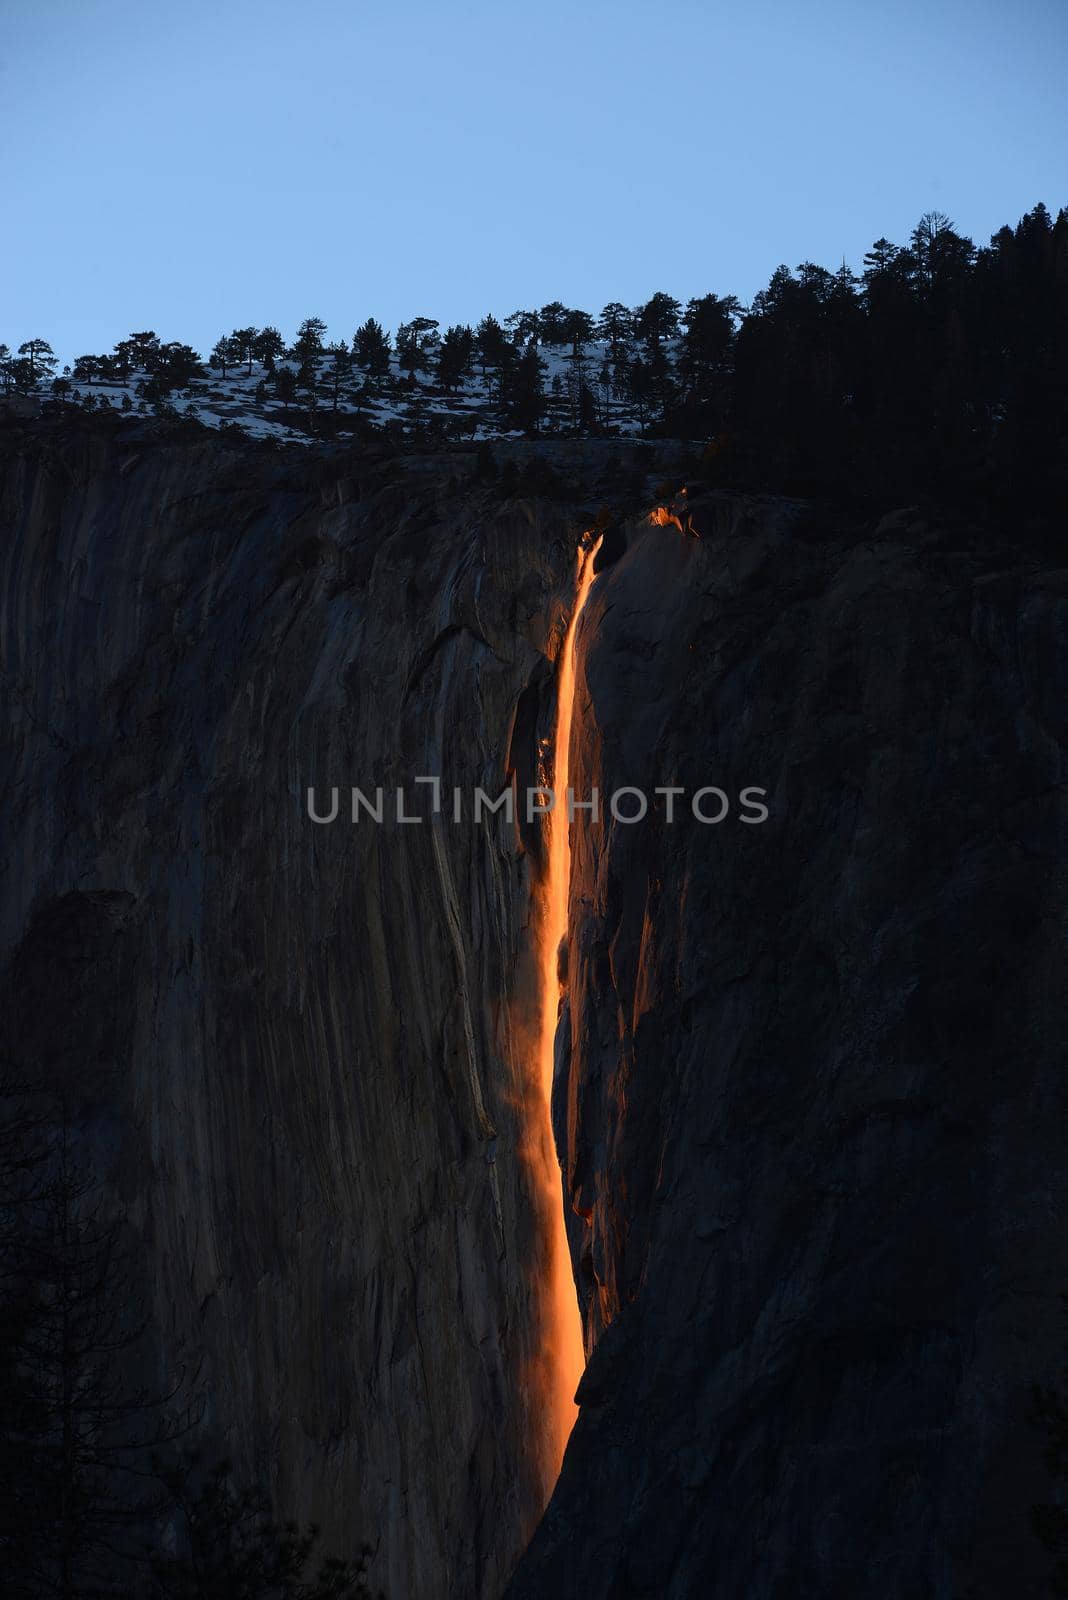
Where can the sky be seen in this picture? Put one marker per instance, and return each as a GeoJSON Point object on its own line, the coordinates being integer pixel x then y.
{"type": "Point", "coordinates": [191, 167]}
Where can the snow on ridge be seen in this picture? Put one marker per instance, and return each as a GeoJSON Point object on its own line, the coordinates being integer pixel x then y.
{"type": "Point", "coordinates": [469, 413]}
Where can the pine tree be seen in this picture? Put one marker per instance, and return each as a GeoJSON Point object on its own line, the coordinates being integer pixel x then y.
{"type": "Point", "coordinates": [578, 330]}
{"type": "Point", "coordinates": [176, 367]}
{"type": "Point", "coordinates": [87, 368]}
{"type": "Point", "coordinates": [122, 359]}
{"type": "Point", "coordinates": [232, 1548]}
{"type": "Point", "coordinates": [41, 357]}
{"type": "Point", "coordinates": [413, 416]}
{"type": "Point", "coordinates": [244, 341]}
{"type": "Point", "coordinates": [657, 320]}
{"type": "Point", "coordinates": [640, 390]}
{"type": "Point", "coordinates": [523, 396]}
{"type": "Point", "coordinates": [523, 326]}
{"type": "Point", "coordinates": [615, 326]}
{"type": "Point", "coordinates": [553, 323]}
{"type": "Point", "coordinates": [370, 346]}
{"type": "Point", "coordinates": [704, 362]}
{"type": "Point", "coordinates": [880, 258]}
{"type": "Point", "coordinates": [924, 242]}
{"type": "Point", "coordinates": [308, 345]}
{"type": "Point", "coordinates": [662, 381]}
{"type": "Point", "coordinates": [307, 380]}
{"type": "Point", "coordinates": [268, 346]}
{"type": "Point", "coordinates": [709, 329]}
{"type": "Point", "coordinates": [604, 379]}
{"type": "Point", "coordinates": [20, 375]}
{"type": "Point", "coordinates": [340, 368]}
{"type": "Point", "coordinates": [416, 343]}
{"type": "Point", "coordinates": [492, 346]}
{"type": "Point", "coordinates": [225, 354]}
{"type": "Point", "coordinates": [454, 356]}
{"type": "Point", "coordinates": [285, 387]}
{"type": "Point", "coordinates": [143, 347]}
{"type": "Point", "coordinates": [78, 1433]}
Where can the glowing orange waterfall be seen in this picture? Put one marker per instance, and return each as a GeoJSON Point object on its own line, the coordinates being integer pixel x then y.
{"type": "Point", "coordinates": [562, 1355]}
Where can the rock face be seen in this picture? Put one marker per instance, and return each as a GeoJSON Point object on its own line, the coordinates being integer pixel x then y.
{"type": "Point", "coordinates": [815, 1090]}
{"type": "Point", "coordinates": [810, 1071]}
{"type": "Point", "coordinates": [290, 1042]}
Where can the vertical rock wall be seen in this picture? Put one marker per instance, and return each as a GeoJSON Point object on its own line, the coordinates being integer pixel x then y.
{"type": "Point", "coordinates": [810, 1089]}
{"type": "Point", "coordinates": [816, 1094]}
{"type": "Point", "coordinates": [288, 1043]}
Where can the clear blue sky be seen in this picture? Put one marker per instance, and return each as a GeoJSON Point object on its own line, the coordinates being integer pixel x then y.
{"type": "Point", "coordinates": [190, 166]}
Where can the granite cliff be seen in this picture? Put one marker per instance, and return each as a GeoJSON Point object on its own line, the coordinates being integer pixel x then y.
{"type": "Point", "coordinates": [809, 1087]}
{"type": "Point", "coordinates": [814, 1068]}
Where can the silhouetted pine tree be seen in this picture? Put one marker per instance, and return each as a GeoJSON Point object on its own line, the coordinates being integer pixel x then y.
{"type": "Point", "coordinates": [285, 387]}
{"type": "Point", "coordinates": [579, 329]}
{"type": "Point", "coordinates": [308, 345]}
{"type": "Point", "coordinates": [703, 367]}
{"type": "Point", "coordinates": [639, 390]}
{"type": "Point", "coordinates": [615, 326]}
{"type": "Point", "coordinates": [454, 357]}
{"type": "Point", "coordinates": [552, 323]}
{"type": "Point", "coordinates": [340, 368]}
{"type": "Point", "coordinates": [493, 350]}
{"type": "Point", "coordinates": [656, 321]}
{"type": "Point", "coordinates": [226, 353]}
{"type": "Point", "coordinates": [416, 342]}
{"type": "Point", "coordinates": [268, 346]}
{"type": "Point", "coordinates": [523, 326]}
{"type": "Point", "coordinates": [230, 1547]}
{"type": "Point", "coordinates": [370, 346]}
{"type": "Point", "coordinates": [78, 1432]}
{"type": "Point", "coordinates": [523, 399]}
{"type": "Point", "coordinates": [244, 341]}
{"type": "Point", "coordinates": [41, 357]}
